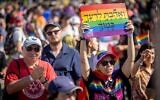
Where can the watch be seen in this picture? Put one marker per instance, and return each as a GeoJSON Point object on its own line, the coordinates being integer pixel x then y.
{"type": "Point", "coordinates": [30, 78]}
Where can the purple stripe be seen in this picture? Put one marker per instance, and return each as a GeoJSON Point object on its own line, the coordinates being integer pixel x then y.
{"type": "Point", "coordinates": [143, 41]}
{"type": "Point", "coordinates": [105, 33]}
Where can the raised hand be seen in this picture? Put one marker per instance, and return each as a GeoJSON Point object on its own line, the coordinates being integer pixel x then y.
{"type": "Point", "coordinates": [82, 27]}
{"type": "Point", "coordinates": [129, 27]}
{"type": "Point", "coordinates": [146, 55]}
{"type": "Point", "coordinates": [37, 72]}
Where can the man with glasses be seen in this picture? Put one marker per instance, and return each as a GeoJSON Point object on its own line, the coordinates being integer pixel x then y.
{"type": "Point", "coordinates": [65, 60]}
{"type": "Point", "coordinates": [28, 77]}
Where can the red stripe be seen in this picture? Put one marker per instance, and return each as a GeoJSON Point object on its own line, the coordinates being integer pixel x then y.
{"type": "Point", "coordinates": [102, 6]}
{"type": "Point", "coordinates": [83, 95]}
{"type": "Point", "coordinates": [143, 35]}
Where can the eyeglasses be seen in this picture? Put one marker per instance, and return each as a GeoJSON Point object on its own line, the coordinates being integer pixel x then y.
{"type": "Point", "coordinates": [51, 32]}
{"type": "Point", "coordinates": [104, 63]}
{"type": "Point", "coordinates": [30, 48]}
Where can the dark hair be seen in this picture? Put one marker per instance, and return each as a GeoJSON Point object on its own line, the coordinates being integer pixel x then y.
{"type": "Point", "coordinates": [53, 96]}
{"type": "Point", "coordinates": [145, 46]}
{"type": "Point", "coordinates": [51, 25]}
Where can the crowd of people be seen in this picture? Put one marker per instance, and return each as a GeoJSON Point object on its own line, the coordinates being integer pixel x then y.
{"type": "Point", "coordinates": [44, 55]}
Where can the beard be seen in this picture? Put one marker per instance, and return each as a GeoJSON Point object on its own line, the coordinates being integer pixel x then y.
{"type": "Point", "coordinates": [55, 42]}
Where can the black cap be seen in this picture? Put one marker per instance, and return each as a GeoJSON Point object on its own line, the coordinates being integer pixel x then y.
{"type": "Point", "coordinates": [51, 25]}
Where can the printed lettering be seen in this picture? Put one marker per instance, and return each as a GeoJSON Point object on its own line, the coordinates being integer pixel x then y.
{"type": "Point", "coordinates": [106, 16]}
{"type": "Point", "coordinates": [106, 26]}
{"type": "Point", "coordinates": [101, 97]}
{"type": "Point", "coordinates": [104, 19]}
{"type": "Point", "coordinates": [86, 21]}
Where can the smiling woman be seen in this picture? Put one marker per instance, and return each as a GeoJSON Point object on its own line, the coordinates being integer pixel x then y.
{"type": "Point", "coordinates": [105, 63]}
{"type": "Point", "coordinates": [105, 82]}
{"type": "Point", "coordinates": [142, 71]}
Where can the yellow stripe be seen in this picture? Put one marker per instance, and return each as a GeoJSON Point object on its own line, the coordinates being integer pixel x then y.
{"type": "Point", "coordinates": [104, 14]}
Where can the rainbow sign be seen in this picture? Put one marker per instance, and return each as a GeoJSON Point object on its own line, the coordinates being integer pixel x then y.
{"type": "Point", "coordinates": [104, 19]}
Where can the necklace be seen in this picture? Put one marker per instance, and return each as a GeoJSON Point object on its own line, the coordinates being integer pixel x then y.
{"type": "Point", "coordinates": [109, 82]}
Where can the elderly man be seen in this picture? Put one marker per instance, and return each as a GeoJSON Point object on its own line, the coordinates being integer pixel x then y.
{"type": "Point", "coordinates": [28, 77]}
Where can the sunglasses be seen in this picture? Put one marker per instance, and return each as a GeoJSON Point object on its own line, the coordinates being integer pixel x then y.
{"type": "Point", "coordinates": [51, 32]}
{"type": "Point", "coordinates": [36, 49]}
{"type": "Point", "coordinates": [72, 93]}
{"type": "Point", "coordinates": [104, 63]}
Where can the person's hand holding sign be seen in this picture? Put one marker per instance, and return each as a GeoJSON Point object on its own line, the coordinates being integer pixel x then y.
{"type": "Point", "coordinates": [129, 27]}
{"type": "Point", "coordinates": [83, 28]}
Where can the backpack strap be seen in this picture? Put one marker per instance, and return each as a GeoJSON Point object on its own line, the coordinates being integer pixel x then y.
{"type": "Point", "coordinates": [18, 67]}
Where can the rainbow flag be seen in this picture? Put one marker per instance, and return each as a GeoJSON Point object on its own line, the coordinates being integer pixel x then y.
{"type": "Point", "coordinates": [83, 95]}
{"type": "Point", "coordinates": [104, 19]}
{"type": "Point", "coordinates": [142, 38]}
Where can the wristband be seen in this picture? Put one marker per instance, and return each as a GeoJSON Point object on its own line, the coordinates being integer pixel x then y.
{"type": "Point", "coordinates": [130, 35]}
{"type": "Point", "coordinates": [30, 78]}
{"type": "Point", "coordinates": [141, 62]}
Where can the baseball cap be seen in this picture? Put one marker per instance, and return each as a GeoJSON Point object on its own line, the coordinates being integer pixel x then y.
{"type": "Point", "coordinates": [103, 54]}
{"type": "Point", "coordinates": [32, 40]}
{"type": "Point", "coordinates": [63, 84]}
{"type": "Point", "coordinates": [51, 25]}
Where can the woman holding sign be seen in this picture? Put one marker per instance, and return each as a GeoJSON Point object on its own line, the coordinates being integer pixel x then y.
{"type": "Point", "coordinates": [105, 83]}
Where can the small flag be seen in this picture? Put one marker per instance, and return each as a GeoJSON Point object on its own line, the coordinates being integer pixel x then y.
{"type": "Point", "coordinates": [142, 38]}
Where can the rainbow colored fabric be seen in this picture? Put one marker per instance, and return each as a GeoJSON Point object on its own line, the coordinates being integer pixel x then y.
{"type": "Point", "coordinates": [104, 19]}
{"type": "Point", "coordinates": [142, 38]}
{"type": "Point", "coordinates": [97, 85]}
{"type": "Point", "coordinates": [102, 54]}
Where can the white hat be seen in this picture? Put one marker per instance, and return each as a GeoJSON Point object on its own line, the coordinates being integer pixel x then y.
{"type": "Point", "coordinates": [32, 40]}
